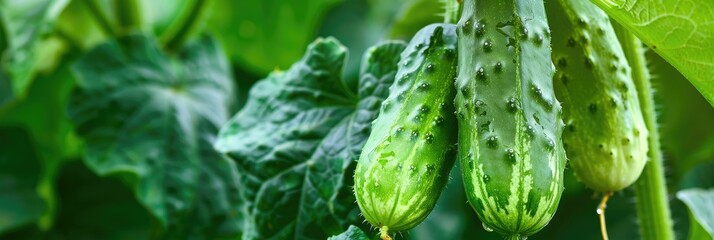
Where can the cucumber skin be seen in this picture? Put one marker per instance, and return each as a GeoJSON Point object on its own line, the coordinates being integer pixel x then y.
{"type": "Point", "coordinates": [605, 136]}
{"type": "Point", "coordinates": [406, 161]}
{"type": "Point", "coordinates": [510, 125]}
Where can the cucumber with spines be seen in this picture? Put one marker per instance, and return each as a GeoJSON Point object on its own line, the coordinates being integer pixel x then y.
{"type": "Point", "coordinates": [406, 161]}
{"type": "Point", "coordinates": [510, 123]}
{"type": "Point", "coordinates": [605, 136]}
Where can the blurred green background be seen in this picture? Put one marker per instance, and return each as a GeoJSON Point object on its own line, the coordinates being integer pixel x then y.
{"type": "Point", "coordinates": [54, 185]}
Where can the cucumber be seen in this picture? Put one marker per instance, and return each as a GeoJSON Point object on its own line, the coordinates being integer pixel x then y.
{"type": "Point", "coordinates": [605, 136]}
{"type": "Point", "coordinates": [406, 161]}
{"type": "Point", "coordinates": [510, 123]}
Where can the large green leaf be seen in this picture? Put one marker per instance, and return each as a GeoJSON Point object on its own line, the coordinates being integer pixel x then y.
{"type": "Point", "coordinates": [266, 34]}
{"type": "Point", "coordinates": [24, 22]}
{"type": "Point", "coordinates": [297, 140]}
{"type": "Point", "coordinates": [19, 174]}
{"type": "Point", "coordinates": [151, 119]}
{"type": "Point", "coordinates": [682, 32]}
{"type": "Point", "coordinates": [352, 233]}
{"type": "Point", "coordinates": [701, 205]}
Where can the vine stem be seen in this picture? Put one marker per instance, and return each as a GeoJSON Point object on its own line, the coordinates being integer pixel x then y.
{"type": "Point", "coordinates": [384, 233]}
{"type": "Point", "coordinates": [650, 189]}
{"type": "Point", "coordinates": [601, 213]}
{"type": "Point", "coordinates": [186, 26]}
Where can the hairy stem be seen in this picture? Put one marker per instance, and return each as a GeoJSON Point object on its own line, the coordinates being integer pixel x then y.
{"type": "Point", "coordinates": [101, 18]}
{"type": "Point", "coordinates": [650, 189]}
{"type": "Point", "coordinates": [187, 24]}
{"type": "Point", "coordinates": [384, 233]}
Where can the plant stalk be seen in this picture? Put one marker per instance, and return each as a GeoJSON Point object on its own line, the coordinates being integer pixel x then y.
{"type": "Point", "coordinates": [128, 14]}
{"type": "Point", "coordinates": [601, 213]}
{"type": "Point", "coordinates": [101, 18]}
{"type": "Point", "coordinates": [186, 26]}
{"type": "Point", "coordinates": [451, 10]}
{"type": "Point", "coordinates": [650, 189]}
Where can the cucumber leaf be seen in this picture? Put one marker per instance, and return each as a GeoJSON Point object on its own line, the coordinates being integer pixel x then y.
{"type": "Point", "coordinates": [23, 23]}
{"type": "Point", "coordinates": [701, 206]}
{"type": "Point", "coordinates": [682, 32]}
{"type": "Point", "coordinates": [150, 119]}
{"type": "Point", "coordinates": [297, 140]}
{"type": "Point", "coordinates": [352, 233]}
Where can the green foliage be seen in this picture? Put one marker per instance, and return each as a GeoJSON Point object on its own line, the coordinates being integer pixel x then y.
{"type": "Point", "coordinates": [42, 114]}
{"type": "Point", "coordinates": [266, 34]}
{"type": "Point", "coordinates": [413, 15]}
{"type": "Point", "coordinates": [23, 24]}
{"type": "Point", "coordinates": [149, 101]}
{"type": "Point", "coordinates": [352, 233]}
{"type": "Point", "coordinates": [680, 31]}
{"type": "Point", "coordinates": [168, 112]}
{"type": "Point", "coordinates": [701, 206]}
{"type": "Point", "coordinates": [19, 174]}
{"type": "Point", "coordinates": [684, 114]}
{"type": "Point", "coordinates": [94, 207]}
{"type": "Point", "coordinates": [296, 141]}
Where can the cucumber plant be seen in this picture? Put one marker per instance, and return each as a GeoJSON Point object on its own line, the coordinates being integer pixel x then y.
{"type": "Point", "coordinates": [406, 161]}
{"type": "Point", "coordinates": [510, 123]}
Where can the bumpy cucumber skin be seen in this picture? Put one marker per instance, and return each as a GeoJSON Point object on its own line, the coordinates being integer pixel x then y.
{"type": "Point", "coordinates": [510, 123]}
{"type": "Point", "coordinates": [406, 161]}
{"type": "Point", "coordinates": [605, 136]}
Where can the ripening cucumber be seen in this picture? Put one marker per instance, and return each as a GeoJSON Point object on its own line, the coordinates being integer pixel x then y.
{"type": "Point", "coordinates": [605, 136]}
{"type": "Point", "coordinates": [405, 163]}
{"type": "Point", "coordinates": [510, 123]}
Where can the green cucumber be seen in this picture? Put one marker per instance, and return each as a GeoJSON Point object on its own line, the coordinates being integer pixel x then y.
{"type": "Point", "coordinates": [406, 161]}
{"type": "Point", "coordinates": [510, 123]}
{"type": "Point", "coordinates": [605, 137]}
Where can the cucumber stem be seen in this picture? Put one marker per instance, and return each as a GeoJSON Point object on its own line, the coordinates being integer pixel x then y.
{"type": "Point", "coordinates": [384, 233]}
{"type": "Point", "coordinates": [650, 189]}
{"type": "Point", "coordinates": [601, 212]}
